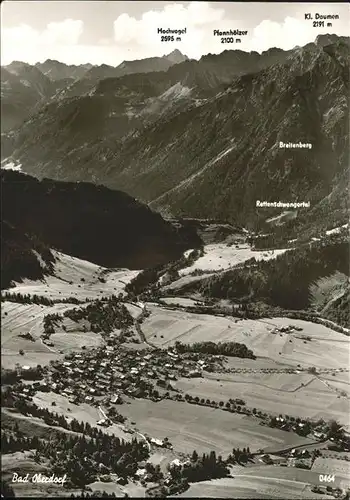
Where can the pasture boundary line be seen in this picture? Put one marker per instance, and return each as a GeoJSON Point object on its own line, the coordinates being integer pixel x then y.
{"type": "Point", "coordinates": [268, 387]}
{"type": "Point", "coordinates": [286, 450]}
{"type": "Point", "coordinates": [299, 315]}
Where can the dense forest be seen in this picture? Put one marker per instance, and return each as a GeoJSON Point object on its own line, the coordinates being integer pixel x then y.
{"type": "Point", "coordinates": [107, 227]}
{"type": "Point", "coordinates": [339, 310]}
{"type": "Point", "coordinates": [21, 255]}
{"type": "Point", "coordinates": [80, 457]}
{"type": "Point", "coordinates": [234, 349]}
{"type": "Point", "coordinates": [147, 280]}
{"type": "Point", "coordinates": [21, 298]}
{"type": "Point", "coordinates": [104, 316]}
{"type": "Point", "coordinates": [284, 281]}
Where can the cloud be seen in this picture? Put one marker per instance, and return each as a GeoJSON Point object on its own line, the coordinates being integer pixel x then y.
{"type": "Point", "coordinates": [199, 19]}
{"type": "Point", "coordinates": [66, 32]}
{"type": "Point", "coordinates": [27, 44]}
{"type": "Point", "coordinates": [285, 35]}
{"type": "Point", "coordinates": [19, 35]}
{"type": "Point", "coordinates": [296, 30]}
{"type": "Point", "coordinates": [137, 38]}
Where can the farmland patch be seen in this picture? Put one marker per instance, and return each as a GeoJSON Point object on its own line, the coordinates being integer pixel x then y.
{"type": "Point", "coordinates": [190, 427]}
{"type": "Point", "coordinates": [258, 486]}
{"type": "Point", "coordinates": [327, 348]}
{"type": "Point", "coordinates": [340, 469]}
{"type": "Point", "coordinates": [274, 394]}
{"type": "Point", "coordinates": [220, 257]}
{"type": "Point", "coordinates": [83, 412]}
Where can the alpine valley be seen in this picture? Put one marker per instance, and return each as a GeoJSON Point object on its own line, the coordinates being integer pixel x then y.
{"type": "Point", "coordinates": [175, 276]}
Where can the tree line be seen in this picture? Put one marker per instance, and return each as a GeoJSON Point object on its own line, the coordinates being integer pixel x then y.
{"type": "Point", "coordinates": [83, 456]}
{"type": "Point", "coordinates": [284, 281]}
{"type": "Point", "coordinates": [21, 298]}
{"type": "Point", "coordinates": [103, 315]}
{"type": "Point", "coordinates": [50, 418]}
{"type": "Point", "coordinates": [146, 280]}
{"type": "Point", "coordinates": [234, 349]}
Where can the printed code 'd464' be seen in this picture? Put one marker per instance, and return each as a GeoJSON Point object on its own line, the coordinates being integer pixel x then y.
{"type": "Point", "coordinates": [326, 478]}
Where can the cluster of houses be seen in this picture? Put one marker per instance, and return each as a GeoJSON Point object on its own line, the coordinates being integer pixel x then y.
{"type": "Point", "coordinates": [287, 425]}
{"type": "Point", "coordinates": [295, 458]}
{"type": "Point", "coordinates": [286, 329]}
{"type": "Point", "coordinates": [111, 371]}
{"type": "Point", "coordinates": [300, 458]}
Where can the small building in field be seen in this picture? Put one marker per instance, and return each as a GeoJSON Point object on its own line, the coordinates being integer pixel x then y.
{"type": "Point", "coordinates": [116, 399]}
{"type": "Point", "coordinates": [157, 442]}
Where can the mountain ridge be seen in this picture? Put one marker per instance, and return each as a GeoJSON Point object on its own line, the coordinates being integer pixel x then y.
{"type": "Point", "coordinates": [87, 221]}
{"type": "Point", "coordinates": [174, 143]}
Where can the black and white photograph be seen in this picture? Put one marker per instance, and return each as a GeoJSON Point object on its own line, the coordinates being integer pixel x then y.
{"type": "Point", "coordinates": [175, 293]}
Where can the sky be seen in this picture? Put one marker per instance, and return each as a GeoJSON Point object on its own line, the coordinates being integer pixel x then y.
{"type": "Point", "coordinates": [108, 32]}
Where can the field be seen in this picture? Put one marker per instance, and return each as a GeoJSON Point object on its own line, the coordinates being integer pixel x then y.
{"type": "Point", "coordinates": [83, 412]}
{"type": "Point", "coordinates": [185, 280]}
{"type": "Point", "coordinates": [179, 301]}
{"type": "Point", "coordinates": [190, 427]}
{"type": "Point", "coordinates": [260, 482]}
{"type": "Point", "coordinates": [219, 257]}
{"type": "Point", "coordinates": [263, 481]}
{"type": "Point", "coordinates": [327, 348]}
{"type": "Point", "coordinates": [111, 487]}
{"type": "Point", "coordinates": [78, 278]}
{"type": "Point", "coordinates": [272, 393]}
{"type": "Point", "coordinates": [133, 489]}
{"type": "Point", "coordinates": [31, 425]}
{"type": "Point", "coordinates": [72, 278]}
{"type": "Point", "coordinates": [340, 469]}
{"type": "Point", "coordinates": [18, 319]}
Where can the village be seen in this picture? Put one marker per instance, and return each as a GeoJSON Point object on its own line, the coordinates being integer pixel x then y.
{"type": "Point", "coordinates": [103, 375]}
{"type": "Point", "coordinates": [128, 367]}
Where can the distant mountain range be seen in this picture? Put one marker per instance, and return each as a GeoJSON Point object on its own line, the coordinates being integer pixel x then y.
{"type": "Point", "coordinates": [24, 88]}
{"type": "Point", "coordinates": [56, 70]}
{"type": "Point", "coordinates": [92, 222]}
{"type": "Point", "coordinates": [205, 130]}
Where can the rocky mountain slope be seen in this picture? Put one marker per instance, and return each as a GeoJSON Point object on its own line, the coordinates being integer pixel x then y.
{"type": "Point", "coordinates": [26, 88]}
{"type": "Point", "coordinates": [112, 102]}
{"type": "Point", "coordinates": [91, 222]}
{"type": "Point", "coordinates": [22, 88]}
{"type": "Point", "coordinates": [56, 70]}
{"type": "Point", "coordinates": [209, 130]}
{"type": "Point", "coordinates": [85, 84]}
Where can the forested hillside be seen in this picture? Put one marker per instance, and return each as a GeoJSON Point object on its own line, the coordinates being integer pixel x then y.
{"type": "Point", "coordinates": [284, 281]}
{"type": "Point", "coordinates": [91, 222]}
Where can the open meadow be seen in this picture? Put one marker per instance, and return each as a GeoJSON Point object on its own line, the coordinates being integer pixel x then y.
{"type": "Point", "coordinates": [77, 278]}
{"type": "Point", "coordinates": [298, 395]}
{"type": "Point", "coordinates": [18, 319]}
{"type": "Point", "coordinates": [254, 486]}
{"type": "Point", "coordinates": [190, 427]}
{"type": "Point", "coordinates": [340, 469]}
{"type": "Point", "coordinates": [220, 257]}
{"type": "Point", "coordinates": [83, 412]}
{"type": "Point", "coordinates": [185, 280]}
{"type": "Point", "coordinates": [132, 489]}
{"type": "Point", "coordinates": [326, 349]}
